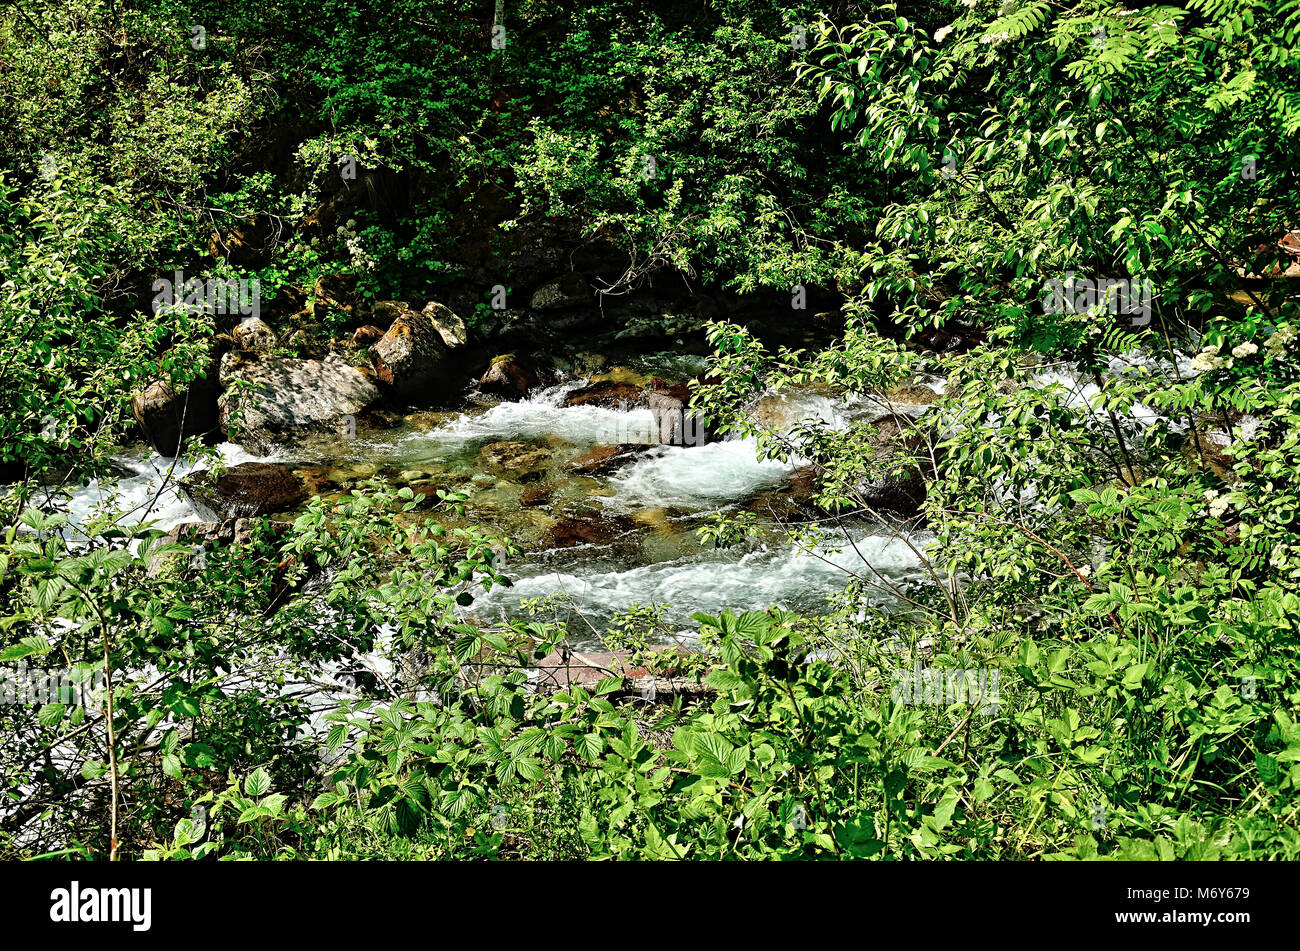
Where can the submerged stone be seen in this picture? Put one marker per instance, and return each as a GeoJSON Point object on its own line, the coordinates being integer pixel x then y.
{"type": "Point", "coordinates": [245, 490]}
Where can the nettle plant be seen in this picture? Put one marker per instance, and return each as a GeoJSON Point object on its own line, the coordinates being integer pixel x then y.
{"type": "Point", "coordinates": [788, 760]}
{"type": "Point", "coordinates": [205, 658]}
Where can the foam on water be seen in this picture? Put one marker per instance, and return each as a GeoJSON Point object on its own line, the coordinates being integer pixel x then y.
{"type": "Point", "coordinates": [539, 416]}
{"type": "Point", "coordinates": [137, 493]}
{"type": "Point", "coordinates": [1081, 393]}
{"type": "Point", "coordinates": [700, 477]}
{"type": "Point", "coordinates": [786, 576]}
{"type": "Point", "coordinates": [542, 416]}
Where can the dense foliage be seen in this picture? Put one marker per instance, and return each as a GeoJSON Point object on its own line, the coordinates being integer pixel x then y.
{"type": "Point", "coordinates": [1110, 620]}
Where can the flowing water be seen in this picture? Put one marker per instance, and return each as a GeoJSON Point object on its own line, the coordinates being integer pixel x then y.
{"type": "Point", "coordinates": [514, 460]}
{"type": "Point", "coordinates": [608, 540]}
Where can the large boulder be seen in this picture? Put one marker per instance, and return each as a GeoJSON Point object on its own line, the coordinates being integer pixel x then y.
{"type": "Point", "coordinates": [410, 356]}
{"type": "Point", "coordinates": [168, 415]}
{"type": "Point", "coordinates": [244, 491]}
{"type": "Point", "coordinates": [280, 398]}
{"type": "Point", "coordinates": [674, 424]}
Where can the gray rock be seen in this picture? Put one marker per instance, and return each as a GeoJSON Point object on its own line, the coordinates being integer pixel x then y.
{"type": "Point", "coordinates": [281, 398]}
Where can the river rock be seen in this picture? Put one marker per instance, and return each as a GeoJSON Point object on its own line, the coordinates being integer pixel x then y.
{"type": "Point", "coordinates": [589, 529]}
{"type": "Point", "coordinates": [513, 376]}
{"type": "Point", "coordinates": [243, 491]}
{"type": "Point", "coordinates": [367, 335]}
{"type": "Point", "coordinates": [169, 415]}
{"type": "Point", "coordinates": [958, 340]}
{"type": "Point", "coordinates": [781, 411]}
{"type": "Point", "coordinates": [287, 397]}
{"type": "Point", "coordinates": [796, 502]}
{"type": "Point", "coordinates": [903, 492]}
{"type": "Point", "coordinates": [608, 394]}
{"type": "Point", "coordinates": [520, 460]}
{"type": "Point", "coordinates": [1212, 449]}
{"type": "Point", "coordinates": [410, 356]}
{"type": "Point", "coordinates": [569, 290]}
{"type": "Point", "coordinates": [316, 479]}
{"type": "Point", "coordinates": [912, 395]}
{"type": "Point", "coordinates": [450, 327]}
{"type": "Point", "coordinates": [607, 459]}
{"type": "Point", "coordinates": [674, 424]}
{"type": "Point", "coordinates": [535, 495]}
{"type": "Point", "coordinates": [426, 494]}
{"type": "Point", "coordinates": [252, 333]}
{"type": "Point", "coordinates": [622, 374]}
{"type": "Point", "coordinates": [230, 531]}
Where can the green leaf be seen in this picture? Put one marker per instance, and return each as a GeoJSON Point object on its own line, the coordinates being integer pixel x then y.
{"type": "Point", "coordinates": [257, 783]}
{"type": "Point", "coordinates": [326, 800]}
{"type": "Point", "coordinates": [26, 647]}
{"type": "Point", "coordinates": [589, 746]}
{"type": "Point", "coordinates": [199, 755]}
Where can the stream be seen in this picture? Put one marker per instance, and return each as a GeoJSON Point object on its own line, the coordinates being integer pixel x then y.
{"type": "Point", "coordinates": [608, 540]}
